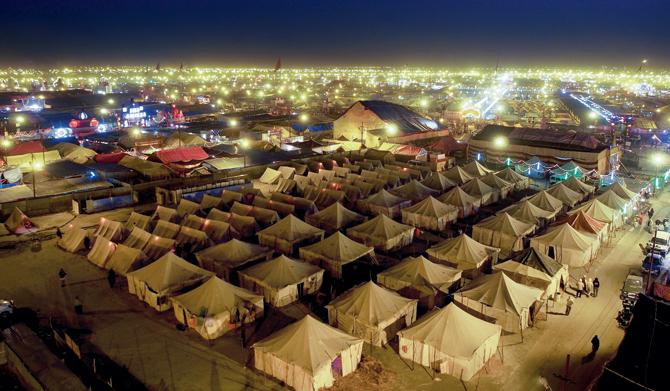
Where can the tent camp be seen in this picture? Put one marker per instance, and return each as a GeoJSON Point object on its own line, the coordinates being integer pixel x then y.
{"type": "Point", "coordinates": [478, 189]}
{"type": "Point", "coordinates": [157, 247]}
{"type": "Point", "coordinates": [186, 207]}
{"type": "Point", "coordinates": [463, 253]}
{"type": "Point", "coordinates": [182, 139]}
{"type": "Point", "coordinates": [225, 258]}
{"type": "Point", "coordinates": [335, 218]}
{"type": "Point", "coordinates": [458, 175]}
{"type": "Point", "coordinates": [138, 220]}
{"type": "Point", "coordinates": [383, 233]}
{"type": "Point", "coordinates": [601, 212]}
{"type": "Point", "coordinates": [218, 231]}
{"type": "Point", "coordinates": [502, 231]}
{"type": "Point", "coordinates": [216, 307]}
{"type": "Point", "coordinates": [138, 238]}
{"type": "Point", "coordinates": [430, 214]}
{"type": "Point", "coordinates": [75, 153]}
{"type": "Point", "coordinates": [229, 196]}
{"type": "Point", "coordinates": [18, 223]}
{"type": "Point", "coordinates": [520, 182]}
{"type": "Point", "coordinates": [101, 251]}
{"type": "Point", "coordinates": [525, 211]}
{"type": "Point", "coordinates": [166, 229]}
{"type": "Point", "coordinates": [270, 176]}
{"type": "Point", "coordinates": [208, 202]}
{"type": "Point", "coordinates": [288, 233]}
{"type": "Point", "coordinates": [450, 341]}
{"type": "Point", "coordinates": [414, 191]}
{"type": "Point", "coordinates": [73, 239]}
{"type": "Point", "coordinates": [587, 224]}
{"type": "Point", "coordinates": [193, 221]}
{"type": "Point", "coordinates": [568, 196]}
{"type": "Point", "coordinates": [150, 170]}
{"type": "Point", "coordinates": [110, 229]}
{"type": "Point", "coordinates": [567, 245]}
{"type": "Point", "coordinates": [467, 205]}
{"type": "Point", "coordinates": [384, 203]}
{"type": "Point", "coordinates": [558, 273]}
{"type": "Point", "coordinates": [282, 280]}
{"type": "Point", "coordinates": [438, 182]}
{"type": "Point", "coordinates": [192, 237]}
{"type": "Point", "coordinates": [546, 201]}
{"type": "Point", "coordinates": [308, 354]}
{"type": "Point", "coordinates": [524, 274]}
{"type": "Point", "coordinates": [623, 192]}
{"type": "Point", "coordinates": [419, 278]}
{"type": "Point", "coordinates": [499, 184]}
{"type": "Point", "coordinates": [579, 186]}
{"type": "Point", "coordinates": [169, 275]}
{"type": "Point", "coordinates": [476, 169]}
{"type": "Point", "coordinates": [612, 200]}
{"type": "Point", "coordinates": [498, 298]}
{"type": "Point", "coordinates": [334, 252]}
{"type": "Point", "coordinates": [282, 208]}
{"type": "Point", "coordinates": [265, 217]}
{"type": "Point", "coordinates": [125, 259]}
{"type": "Point", "coordinates": [245, 226]}
{"type": "Point", "coordinates": [371, 312]}
{"type": "Point", "coordinates": [165, 213]}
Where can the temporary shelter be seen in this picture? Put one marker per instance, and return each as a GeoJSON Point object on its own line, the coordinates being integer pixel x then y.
{"type": "Point", "coordinates": [585, 223]}
{"type": "Point", "coordinates": [463, 253]}
{"type": "Point", "coordinates": [568, 196]}
{"type": "Point", "coordinates": [612, 200]}
{"type": "Point", "coordinates": [371, 312]}
{"type": "Point", "coordinates": [414, 191]}
{"type": "Point", "coordinates": [110, 229]}
{"type": "Point", "coordinates": [282, 208]}
{"type": "Point", "coordinates": [334, 218]}
{"type": "Point", "coordinates": [157, 282]}
{"type": "Point", "coordinates": [557, 272]}
{"type": "Point", "coordinates": [196, 238]}
{"type": "Point", "coordinates": [246, 226]}
{"type": "Point", "coordinates": [125, 259]}
{"type": "Point", "coordinates": [286, 171]}
{"type": "Point", "coordinates": [384, 203]}
{"type": "Point", "coordinates": [450, 341]}
{"type": "Point", "coordinates": [308, 355]}
{"type": "Point", "coordinates": [282, 280]}
{"type": "Point", "coordinates": [75, 153]}
{"type": "Point", "coordinates": [165, 213]}
{"type": "Point", "coordinates": [498, 298]}
{"type": "Point", "coordinates": [467, 205]}
{"type": "Point", "coordinates": [225, 258]}
{"type": "Point", "coordinates": [546, 201]}
{"type": "Point", "coordinates": [209, 202]}
{"type": "Point", "coordinates": [218, 231]}
{"type": "Point", "coordinates": [601, 212]}
{"type": "Point", "coordinates": [214, 308]}
{"type": "Point", "coordinates": [419, 278]}
{"type": "Point", "coordinates": [138, 238]}
{"type": "Point", "coordinates": [524, 274]}
{"type": "Point", "coordinates": [578, 185]}
{"type": "Point", "coordinates": [229, 196]}
{"type": "Point", "coordinates": [430, 214]}
{"type": "Point", "coordinates": [270, 176]}
{"type": "Point", "coordinates": [439, 182]}
{"type": "Point", "coordinates": [458, 175]}
{"type": "Point", "coordinates": [289, 232]}
{"type": "Point", "coordinates": [526, 211]}
{"type": "Point", "coordinates": [101, 251]}
{"type": "Point", "coordinates": [265, 217]}
{"type": "Point", "coordinates": [478, 189]}
{"type": "Point", "coordinates": [499, 184]}
{"type": "Point", "coordinates": [149, 170]}
{"type": "Point", "coordinates": [520, 182]}
{"type": "Point", "coordinates": [502, 231]}
{"type": "Point", "coordinates": [166, 229]}
{"type": "Point", "coordinates": [73, 239]}
{"type": "Point", "coordinates": [186, 207]}
{"type": "Point", "coordinates": [567, 245]}
{"type": "Point", "coordinates": [138, 220]}
{"type": "Point", "coordinates": [193, 221]}
{"type": "Point", "coordinates": [382, 233]}
{"type": "Point", "coordinates": [182, 139]}
{"type": "Point", "coordinates": [157, 247]}
{"type": "Point", "coordinates": [476, 169]}
{"type": "Point", "coordinates": [334, 252]}
{"type": "Point", "coordinates": [623, 192]}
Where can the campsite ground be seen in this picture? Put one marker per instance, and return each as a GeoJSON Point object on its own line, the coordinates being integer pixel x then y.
{"type": "Point", "coordinates": [162, 356]}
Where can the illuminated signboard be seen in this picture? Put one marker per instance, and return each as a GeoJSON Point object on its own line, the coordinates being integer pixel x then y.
{"type": "Point", "coordinates": [134, 113]}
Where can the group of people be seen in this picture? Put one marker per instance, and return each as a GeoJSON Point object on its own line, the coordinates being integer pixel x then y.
{"type": "Point", "coordinates": [587, 286]}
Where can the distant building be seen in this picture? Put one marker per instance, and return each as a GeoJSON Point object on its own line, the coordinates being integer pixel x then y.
{"type": "Point", "coordinates": [549, 145]}
{"type": "Point", "coordinates": [376, 122]}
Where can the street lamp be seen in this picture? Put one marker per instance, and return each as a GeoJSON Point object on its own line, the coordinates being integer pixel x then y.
{"type": "Point", "coordinates": [244, 145]}
{"type": "Point", "coordinates": [500, 142]}
{"type": "Point", "coordinates": [233, 123]}
{"type": "Point", "coordinates": [391, 129]}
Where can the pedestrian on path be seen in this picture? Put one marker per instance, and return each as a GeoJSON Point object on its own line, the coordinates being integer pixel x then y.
{"type": "Point", "coordinates": [589, 287]}
{"type": "Point", "coordinates": [568, 305]}
{"type": "Point", "coordinates": [87, 242]}
{"type": "Point", "coordinates": [243, 331]}
{"type": "Point", "coordinates": [596, 286]}
{"type": "Point", "coordinates": [580, 288]}
{"type": "Point", "coordinates": [111, 278]}
{"type": "Point", "coordinates": [61, 276]}
{"type": "Point", "coordinates": [59, 233]}
{"type": "Point", "coordinates": [650, 213]}
{"type": "Point", "coordinates": [78, 306]}
{"type": "Point", "coordinates": [595, 344]}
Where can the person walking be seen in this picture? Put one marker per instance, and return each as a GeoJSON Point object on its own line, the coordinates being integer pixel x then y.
{"type": "Point", "coordinates": [111, 278]}
{"type": "Point", "coordinates": [589, 287]}
{"type": "Point", "coordinates": [595, 344]}
{"type": "Point", "coordinates": [580, 288]}
{"type": "Point", "coordinates": [596, 286]}
{"type": "Point", "coordinates": [78, 306]}
{"type": "Point", "coordinates": [61, 276]}
{"type": "Point", "coordinates": [568, 305]}
{"type": "Point", "coordinates": [59, 233]}
{"type": "Point", "coordinates": [87, 242]}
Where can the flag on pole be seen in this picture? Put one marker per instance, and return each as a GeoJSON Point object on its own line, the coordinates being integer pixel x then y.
{"type": "Point", "coordinates": [278, 64]}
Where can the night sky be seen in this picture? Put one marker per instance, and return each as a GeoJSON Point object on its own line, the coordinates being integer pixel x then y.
{"type": "Point", "coordinates": [336, 32]}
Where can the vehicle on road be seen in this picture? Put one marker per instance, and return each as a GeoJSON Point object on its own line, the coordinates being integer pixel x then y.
{"type": "Point", "coordinates": [653, 261]}
{"type": "Point", "coordinates": [659, 243]}
{"type": "Point", "coordinates": [632, 287]}
{"type": "Point", "coordinates": [6, 308]}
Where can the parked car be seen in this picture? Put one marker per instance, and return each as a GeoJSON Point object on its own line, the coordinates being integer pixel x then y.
{"type": "Point", "coordinates": [653, 261]}
{"type": "Point", "coordinates": [6, 309]}
{"type": "Point", "coordinates": [632, 287]}
{"type": "Point", "coordinates": [660, 243]}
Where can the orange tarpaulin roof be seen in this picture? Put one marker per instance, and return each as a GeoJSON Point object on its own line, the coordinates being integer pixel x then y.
{"type": "Point", "coordinates": [583, 222]}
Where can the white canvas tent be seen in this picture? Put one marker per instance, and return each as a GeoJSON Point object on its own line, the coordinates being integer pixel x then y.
{"type": "Point", "coordinates": [110, 230]}
{"type": "Point", "coordinates": [612, 200]}
{"type": "Point", "coordinates": [601, 212]}
{"type": "Point", "coordinates": [567, 245]}
{"type": "Point", "coordinates": [419, 278]}
{"type": "Point", "coordinates": [289, 232]}
{"type": "Point", "coordinates": [224, 258]}
{"type": "Point", "coordinates": [546, 201]}
{"type": "Point", "coordinates": [308, 354]}
{"type": "Point", "coordinates": [463, 253]}
{"type": "Point", "coordinates": [282, 280]}
{"type": "Point", "coordinates": [138, 238]}
{"type": "Point", "coordinates": [216, 307]}
{"type": "Point", "coordinates": [125, 259]}
{"type": "Point", "coordinates": [157, 247]}
{"type": "Point", "coordinates": [334, 218]}
{"type": "Point", "coordinates": [520, 182]}
{"type": "Point", "coordinates": [138, 220]}
{"type": "Point", "coordinates": [73, 239]}
{"type": "Point", "coordinates": [263, 216]}
{"type": "Point", "coordinates": [246, 226]}
{"type": "Point", "coordinates": [218, 231]}
{"type": "Point", "coordinates": [451, 341]}
{"type": "Point", "coordinates": [157, 282]}
{"type": "Point", "coordinates": [439, 182]}
{"type": "Point", "coordinates": [166, 229]}
{"type": "Point", "coordinates": [623, 192]}
{"type": "Point", "coordinates": [502, 231]}
{"type": "Point", "coordinates": [165, 213]}
{"type": "Point", "coordinates": [578, 185]}
{"type": "Point", "coordinates": [568, 196]}
{"type": "Point", "coordinates": [526, 211]}
{"type": "Point", "coordinates": [194, 237]}
{"type": "Point", "coordinates": [208, 202]}
{"type": "Point", "coordinates": [559, 273]}
{"type": "Point", "coordinates": [498, 297]}
{"type": "Point", "coordinates": [430, 214]}
{"type": "Point", "coordinates": [467, 205]}
{"type": "Point", "coordinates": [524, 274]}
{"type": "Point", "coordinates": [414, 191]}
{"type": "Point", "coordinates": [476, 169]}
{"type": "Point", "coordinates": [384, 203]}
{"type": "Point", "coordinates": [371, 312]}
{"type": "Point", "coordinates": [383, 233]}
{"type": "Point", "coordinates": [193, 221]}
{"type": "Point", "coordinates": [101, 251]}
{"type": "Point", "coordinates": [334, 252]}
{"type": "Point", "coordinates": [186, 207]}
{"type": "Point", "coordinates": [480, 190]}
{"type": "Point", "coordinates": [270, 176]}
{"type": "Point", "coordinates": [499, 184]}
{"type": "Point", "coordinates": [458, 175]}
